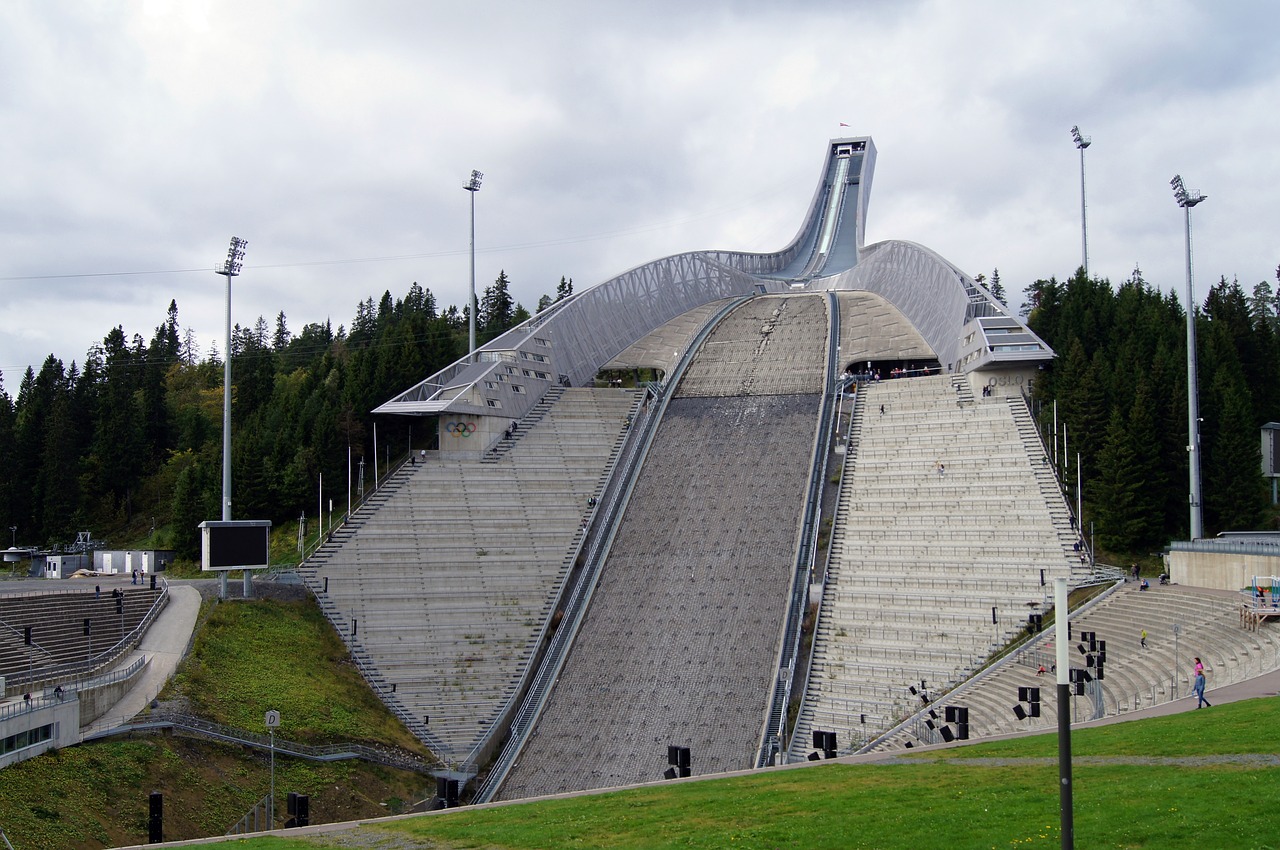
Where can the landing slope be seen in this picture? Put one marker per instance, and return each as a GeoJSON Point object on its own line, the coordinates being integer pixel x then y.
{"type": "Point", "coordinates": [679, 645]}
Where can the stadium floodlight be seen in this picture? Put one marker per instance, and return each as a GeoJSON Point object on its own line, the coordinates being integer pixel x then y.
{"type": "Point", "coordinates": [229, 269]}
{"type": "Point", "coordinates": [1187, 200]}
{"type": "Point", "coordinates": [473, 186]}
{"type": "Point", "coordinates": [1082, 142]}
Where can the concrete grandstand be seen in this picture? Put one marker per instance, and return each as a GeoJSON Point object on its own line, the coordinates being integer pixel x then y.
{"type": "Point", "coordinates": [583, 575]}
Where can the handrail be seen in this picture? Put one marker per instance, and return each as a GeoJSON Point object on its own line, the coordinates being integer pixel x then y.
{"type": "Point", "coordinates": [1009, 655]}
{"type": "Point", "coordinates": [806, 550]}
{"type": "Point", "coordinates": [257, 819]}
{"type": "Point", "coordinates": [199, 727]}
{"type": "Point", "coordinates": [309, 549]}
{"type": "Point", "coordinates": [1062, 487]}
{"type": "Point", "coordinates": [844, 472]}
{"type": "Point", "coordinates": [62, 672]}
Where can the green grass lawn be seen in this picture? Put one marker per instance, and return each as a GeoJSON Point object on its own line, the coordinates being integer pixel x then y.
{"type": "Point", "coordinates": [928, 800]}
{"type": "Point", "coordinates": [283, 655]}
{"type": "Point", "coordinates": [248, 657]}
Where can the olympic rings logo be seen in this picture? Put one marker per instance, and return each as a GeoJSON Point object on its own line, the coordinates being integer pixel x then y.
{"type": "Point", "coordinates": [461, 429]}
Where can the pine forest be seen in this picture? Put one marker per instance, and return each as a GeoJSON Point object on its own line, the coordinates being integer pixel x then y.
{"type": "Point", "coordinates": [127, 443]}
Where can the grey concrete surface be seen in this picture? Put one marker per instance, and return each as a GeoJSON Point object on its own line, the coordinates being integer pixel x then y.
{"type": "Point", "coordinates": [164, 644]}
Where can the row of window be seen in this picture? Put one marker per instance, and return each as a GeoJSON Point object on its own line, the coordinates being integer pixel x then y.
{"type": "Point", "coordinates": [26, 739]}
{"type": "Point", "coordinates": [504, 377]}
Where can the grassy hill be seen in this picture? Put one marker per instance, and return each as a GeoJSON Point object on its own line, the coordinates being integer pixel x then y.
{"type": "Point", "coordinates": [248, 657]}
{"type": "Point", "coordinates": [1200, 779]}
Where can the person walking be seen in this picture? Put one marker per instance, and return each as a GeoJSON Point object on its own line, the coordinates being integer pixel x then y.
{"type": "Point", "coordinates": [1143, 639]}
{"type": "Point", "coordinates": [1197, 687]}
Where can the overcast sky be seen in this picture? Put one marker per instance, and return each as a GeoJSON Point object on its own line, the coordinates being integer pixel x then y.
{"type": "Point", "coordinates": [137, 137]}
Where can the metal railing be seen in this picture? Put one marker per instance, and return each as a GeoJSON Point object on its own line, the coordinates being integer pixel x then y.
{"type": "Point", "coordinates": [257, 819]}
{"type": "Point", "coordinates": [200, 728]}
{"type": "Point", "coordinates": [773, 739]}
{"type": "Point", "coordinates": [20, 681]}
{"type": "Point", "coordinates": [1011, 654]}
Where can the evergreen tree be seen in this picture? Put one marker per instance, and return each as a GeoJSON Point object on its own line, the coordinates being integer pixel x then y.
{"type": "Point", "coordinates": [1234, 490]}
{"type": "Point", "coordinates": [997, 289]}
{"type": "Point", "coordinates": [9, 489]}
{"type": "Point", "coordinates": [280, 339]}
{"type": "Point", "coordinates": [119, 454]}
{"type": "Point", "coordinates": [565, 288]}
{"type": "Point", "coordinates": [1116, 491]}
{"type": "Point", "coordinates": [497, 307]}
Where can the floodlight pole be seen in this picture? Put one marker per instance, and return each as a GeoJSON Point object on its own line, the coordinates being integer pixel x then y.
{"type": "Point", "coordinates": [473, 186]}
{"type": "Point", "coordinates": [1082, 142]}
{"type": "Point", "coordinates": [229, 269]}
{"type": "Point", "coordinates": [1187, 200]}
{"type": "Point", "coordinates": [1061, 639]}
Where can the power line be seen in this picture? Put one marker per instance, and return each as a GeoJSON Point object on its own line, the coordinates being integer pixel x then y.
{"type": "Point", "coordinates": [428, 255]}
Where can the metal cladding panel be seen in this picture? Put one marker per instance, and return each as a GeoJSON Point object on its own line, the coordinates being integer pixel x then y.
{"type": "Point", "coordinates": [920, 284]}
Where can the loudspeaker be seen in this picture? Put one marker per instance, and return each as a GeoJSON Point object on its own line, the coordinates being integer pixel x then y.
{"type": "Point", "coordinates": [155, 821]}
{"type": "Point", "coordinates": [26, 635]}
{"type": "Point", "coordinates": [1079, 689]}
{"type": "Point", "coordinates": [962, 731]}
{"type": "Point", "coordinates": [1024, 694]}
{"type": "Point", "coordinates": [950, 713]}
{"type": "Point", "coordinates": [1019, 712]}
{"type": "Point", "coordinates": [291, 803]}
{"type": "Point", "coordinates": [1034, 710]}
{"type": "Point", "coordinates": [86, 626]}
{"type": "Point", "coordinates": [683, 761]}
{"type": "Point", "coordinates": [1034, 694]}
{"type": "Point", "coordinates": [673, 753]}
{"type": "Point", "coordinates": [947, 734]}
{"type": "Point", "coordinates": [1098, 672]}
{"type": "Point", "coordinates": [670, 773]}
{"type": "Point", "coordinates": [302, 817]}
{"type": "Point", "coordinates": [685, 771]}
{"type": "Point", "coordinates": [447, 791]}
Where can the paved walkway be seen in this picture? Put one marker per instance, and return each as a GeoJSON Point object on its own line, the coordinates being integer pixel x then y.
{"type": "Point", "coordinates": [164, 644]}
